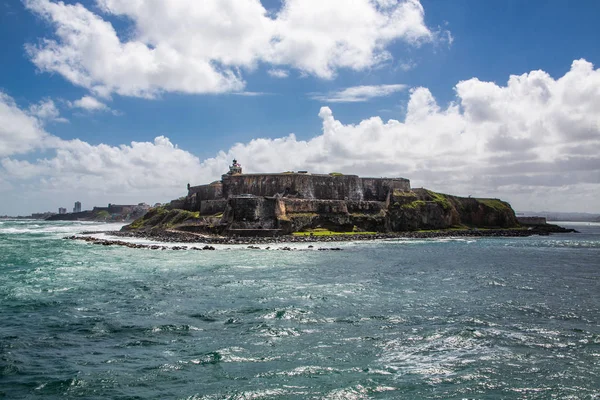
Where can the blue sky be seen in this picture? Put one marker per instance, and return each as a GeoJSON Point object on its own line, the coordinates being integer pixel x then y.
{"type": "Point", "coordinates": [414, 62]}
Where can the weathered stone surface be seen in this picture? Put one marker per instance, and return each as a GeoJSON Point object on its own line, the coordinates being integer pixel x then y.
{"type": "Point", "coordinates": [309, 186]}
{"type": "Point", "coordinates": [250, 212]}
{"type": "Point", "coordinates": [212, 207]}
{"type": "Point", "coordinates": [212, 191]}
{"type": "Point", "coordinates": [290, 202]}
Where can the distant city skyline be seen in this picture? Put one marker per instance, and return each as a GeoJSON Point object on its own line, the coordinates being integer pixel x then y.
{"type": "Point", "coordinates": [497, 98]}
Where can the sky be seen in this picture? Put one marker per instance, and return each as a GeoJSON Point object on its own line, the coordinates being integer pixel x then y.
{"type": "Point", "coordinates": [128, 101]}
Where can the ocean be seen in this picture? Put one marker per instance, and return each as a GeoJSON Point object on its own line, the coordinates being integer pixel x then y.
{"type": "Point", "coordinates": [485, 318]}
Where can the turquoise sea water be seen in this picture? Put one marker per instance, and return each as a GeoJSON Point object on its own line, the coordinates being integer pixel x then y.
{"type": "Point", "coordinates": [417, 319]}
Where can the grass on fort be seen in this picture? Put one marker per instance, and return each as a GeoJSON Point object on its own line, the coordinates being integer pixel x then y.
{"type": "Point", "coordinates": [325, 232]}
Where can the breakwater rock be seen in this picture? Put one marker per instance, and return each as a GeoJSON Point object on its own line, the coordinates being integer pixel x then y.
{"type": "Point", "coordinates": [111, 242]}
{"type": "Point", "coordinates": [174, 236]}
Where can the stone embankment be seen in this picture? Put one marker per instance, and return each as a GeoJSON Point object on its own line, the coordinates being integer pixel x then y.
{"type": "Point", "coordinates": [109, 242]}
{"type": "Point", "coordinates": [174, 236]}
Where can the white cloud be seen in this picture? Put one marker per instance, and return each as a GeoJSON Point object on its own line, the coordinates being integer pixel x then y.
{"type": "Point", "coordinates": [407, 65]}
{"type": "Point", "coordinates": [89, 103]}
{"type": "Point", "coordinates": [46, 110]}
{"type": "Point", "coordinates": [199, 47]}
{"type": "Point", "coordinates": [250, 94]}
{"type": "Point", "coordinates": [319, 37]}
{"type": "Point", "coordinates": [20, 132]}
{"type": "Point", "coordinates": [104, 168]}
{"type": "Point", "coordinates": [534, 141]}
{"type": "Point", "coordinates": [358, 93]}
{"type": "Point", "coordinates": [76, 169]}
{"type": "Point", "coordinates": [278, 73]}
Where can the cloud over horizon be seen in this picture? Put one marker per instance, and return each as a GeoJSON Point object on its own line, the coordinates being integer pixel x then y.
{"type": "Point", "coordinates": [532, 137]}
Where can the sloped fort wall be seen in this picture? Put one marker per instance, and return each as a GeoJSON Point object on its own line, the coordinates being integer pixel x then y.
{"type": "Point", "coordinates": [211, 198]}
{"type": "Point", "coordinates": [308, 186]}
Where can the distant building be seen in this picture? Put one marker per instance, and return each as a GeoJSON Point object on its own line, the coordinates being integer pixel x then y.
{"type": "Point", "coordinates": [42, 215]}
{"type": "Point", "coordinates": [77, 207]}
{"type": "Point", "coordinates": [62, 210]}
{"type": "Point", "coordinates": [531, 220]}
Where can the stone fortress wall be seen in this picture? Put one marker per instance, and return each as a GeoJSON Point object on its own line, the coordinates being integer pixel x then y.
{"type": "Point", "coordinates": [300, 185]}
{"type": "Point", "coordinates": [532, 220]}
{"type": "Point", "coordinates": [294, 192]}
{"type": "Point", "coordinates": [268, 204]}
{"type": "Point", "coordinates": [211, 191]}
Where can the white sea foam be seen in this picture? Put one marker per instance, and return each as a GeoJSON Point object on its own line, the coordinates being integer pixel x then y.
{"type": "Point", "coordinates": [42, 227]}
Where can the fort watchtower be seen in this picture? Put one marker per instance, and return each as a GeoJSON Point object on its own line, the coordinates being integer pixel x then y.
{"type": "Point", "coordinates": [235, 168]}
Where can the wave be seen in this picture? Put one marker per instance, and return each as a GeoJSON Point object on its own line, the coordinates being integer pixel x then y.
{"type": "Point", "coordinates": [41, 227]}
{"type": "Point", "coordinates": [557, 243]}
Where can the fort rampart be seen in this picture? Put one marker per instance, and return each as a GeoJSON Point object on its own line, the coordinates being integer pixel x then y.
{"type": "Point", "coordinates": [309, 186]}
{"type": "Point", "coordinates": [355, 191]}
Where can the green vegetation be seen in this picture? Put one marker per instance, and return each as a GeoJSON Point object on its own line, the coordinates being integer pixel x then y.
{"type": "Point", "coordinates": [496, 204]}
{"type": "Point", "coordinates": [440, 199]}
{"type": "Point", "coordinates": [161, 217]}
{"type": "Point", "coordinates": [217, 215]}
{"type": "Point", "coordinates": [302, 214]}
{"type": "Point", "coordinates": [413, 204]}
{"type": "Point", "coordinates": [325, 232]}
{"type": "Point", "coordinates": [151, 218]}
{"type": "Point", "coordinates": [455, 228]}
{"type": "Point", "coordinates": [367, 215]}
{"type": "Point", "coordinates": [336, 174]}
{"type": "Point", "coordinates": [176, 217]}
{"type": "Point", "coordinates": [402, 193]}
{"type": "Point", "coordinates": [102, 215]}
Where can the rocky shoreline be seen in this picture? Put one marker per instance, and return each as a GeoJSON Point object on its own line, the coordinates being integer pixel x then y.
{"type": "Point", "coordinates": [182, 237]}
{"type": "Point", "coordinates": [109, 242]}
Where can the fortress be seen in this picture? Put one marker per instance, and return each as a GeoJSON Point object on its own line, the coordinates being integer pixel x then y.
{"type": "Point", "coordinates": [211, 198]}
{"type": "Point", "coordinates": [282, 203]}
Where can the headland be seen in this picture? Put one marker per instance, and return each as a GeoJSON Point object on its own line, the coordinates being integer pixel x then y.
{"type": "Point", "coordinates": [303, 206]}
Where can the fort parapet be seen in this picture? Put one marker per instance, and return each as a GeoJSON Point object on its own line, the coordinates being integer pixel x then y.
{"type": "Point", "coordinates": [312, 186]}
{"type": "Point", "coordinates": [212, 198]}
{"type": "Point", "coordinates": [299, 185]}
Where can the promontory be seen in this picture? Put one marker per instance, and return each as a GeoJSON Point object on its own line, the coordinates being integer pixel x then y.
{"type": "Point", "coordinates": [300, 202]}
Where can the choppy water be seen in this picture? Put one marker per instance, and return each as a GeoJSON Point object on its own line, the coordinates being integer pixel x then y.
{"type": "Point", "coordinates": [482, 318]}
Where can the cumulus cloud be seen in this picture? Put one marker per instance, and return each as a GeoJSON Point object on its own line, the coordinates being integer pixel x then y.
{"type": "Point", "coordinates": [46, 111]}
{"type": "Point", "coordinates": [89, 103]}
{"type": "Point", "coordinates": [200, 47]}
{"type": "Point", "coordinates": [278, 73]}
{"type": "Point", "coordinates": [20, 131]}
{"type": "Point", "coordinates": [76, 169]}
{"type": "Point", "coordinates": [134, 167]}
{"type": "Point", "coordinates": [358, 93]}
{"type": "Point", "coordinates": [534, 141]}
